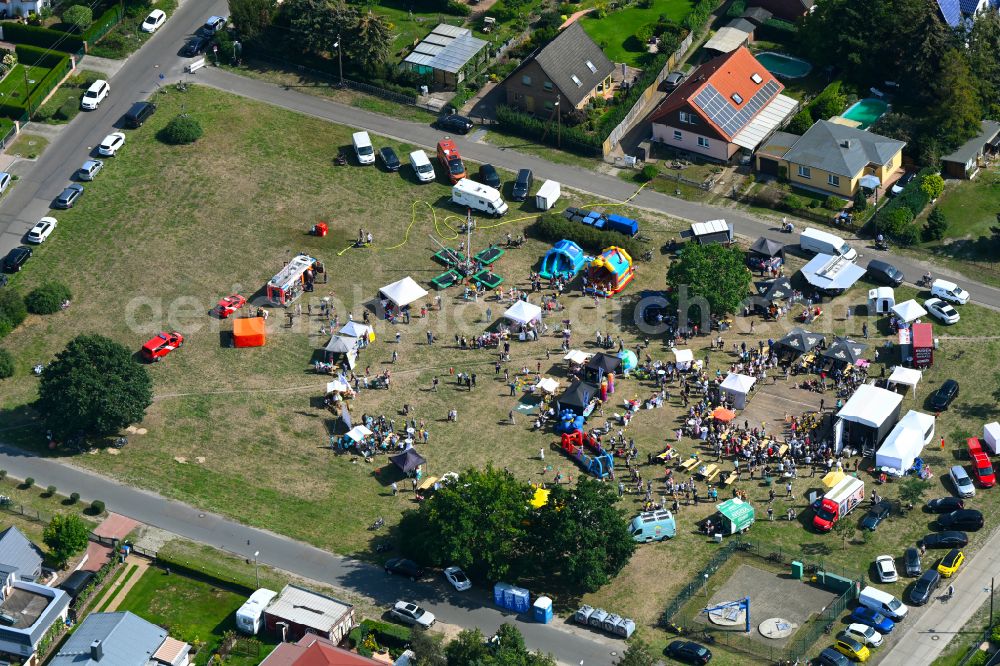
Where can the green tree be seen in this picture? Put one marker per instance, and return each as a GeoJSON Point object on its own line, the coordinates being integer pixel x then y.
{"type": "Point", "coordinates": [957, 114]}
{"type": "Point", "coordinates": [65, 536]}
{"type": "Point", "coordinates": [315, 24]}
{"type": "Point", "coordinates": [912, 490]}
{"type": "Point", "coordinates": [252, 17]}
{"type": "Point", "coordinates": [6, 364]}
{"type": "Point", "coordinates": [896, 220]}
{"type": "Point", "coordinates": [80, 17]}
{"type": "Point", "coordinates": [714, 272]}
{"type": "Point", "coordinates": [468, 647]}
{"type": "Point", "coordinates": [428, 648]}
{"type": "Point", "coordinates": [937, 225]}
{"type": "Point", "coordinates": [860, 201]}
{"type": "Point", "coordinates": [93, 386]}
{"type": "Point", "coordinates": [801, 122]}
{"type": "Point", "coordinates": [477, 524]}
{"type": "Point", "coordinates": [181, 130]}
{"type": "Point", "coordinates": [580, 536]}
{"type": "Point", "coordinates": [831, 102]}
{"type": "Point", "coordinates": [932, 185]}
{"type": "Point", "coordinates": [371, 42]}
{"type": "Point", "coordinates": [845, 529]}
{"type": "Point", "coordinates": [48, 298]}
{"type": "Point", "coordinates": [637, 654]}
{"type": "Point", "coordinates": [12, 311]}
{"type": "Point", "coordinates": [984, 45]}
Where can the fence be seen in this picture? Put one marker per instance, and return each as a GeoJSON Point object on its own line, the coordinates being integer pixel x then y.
{"type": "Point", "coordinates": [104, 24]}
{"type": "Point", "coordinates": [11, 133]}
{"type": "Point", "coordinates": [640, 104]}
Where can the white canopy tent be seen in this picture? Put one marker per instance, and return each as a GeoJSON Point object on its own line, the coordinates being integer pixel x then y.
{"type": "Point", "coordinates": [547, 385]}
{"type": "Point", "coordinates": [870, 406]}
{"type": "Point", "coordinates": [358, 433]}
{"type": "Point", "coordinates": [577, 356]}
{"type": "Point", "coordinates": [909, 377]}
{"type": "Point", "coordinates": [737, 388]}
{"type": "Point", "coordinates": [908, 311]}
{"type": "Point", "coordinates": [900, 449]}
{"type": "Point", "coordinates": [341, 344]}
{"type": "Point", "coordinates": [403, 292]}
{"type": "Point", "coordinates": [353, 329]}
{"type": "Point", "coordinates": [684, 358]}
{"type": "Point", "coordinates": [523, 313]}
{"type": "Point", "coordinates": [337, 386]}
{"type": "Point", "coordinates": [920, 422]}
{"type": "Point", "coordinates": [991, 437]}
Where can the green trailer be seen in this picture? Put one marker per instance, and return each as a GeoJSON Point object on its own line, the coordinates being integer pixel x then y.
{"type": "Point", "coordinates": [737, 516]}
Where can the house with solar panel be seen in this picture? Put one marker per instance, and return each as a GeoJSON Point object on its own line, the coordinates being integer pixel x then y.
{"type": "Point", "coordinates": [449, 55]}
{"type": "Point", "coordinates": [786, 10]}
{"type": "Point", "coordinates": [731, 103]}
{"type": "Point", "coordinates": [570, 69]}
{"type": "Point", "coordinates": [954, 12]}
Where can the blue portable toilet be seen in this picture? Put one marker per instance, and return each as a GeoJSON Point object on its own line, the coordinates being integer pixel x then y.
{"type": "Point", "coordinates": [521, 601]}
{"type": "Point", "coordinates": [543, 610]}
{"type": "Point", "coordinates": [499, 592]}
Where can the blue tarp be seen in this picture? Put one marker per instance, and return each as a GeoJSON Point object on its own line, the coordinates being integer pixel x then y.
{"type": "Point", "coordinates": [623, 225]}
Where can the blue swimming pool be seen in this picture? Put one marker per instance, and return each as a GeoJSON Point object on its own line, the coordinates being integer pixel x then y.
{"type": "Point", "coordinates": [784, 66]}
{"type": "Point", "coordinates": [866, 111]}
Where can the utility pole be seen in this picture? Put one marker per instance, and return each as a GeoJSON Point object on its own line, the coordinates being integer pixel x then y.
{"type": "Point", "coordinates": [256, 570]}
{"type": "Point", "coordinates": [340, 60]}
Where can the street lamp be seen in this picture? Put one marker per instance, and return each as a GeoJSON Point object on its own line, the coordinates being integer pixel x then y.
{"type": "Point", "coordinates": [256, 570]}
{"type": "Point", "coordinates": [704, 585]}
{"type": "Point", "coordinates": [340, 59]}
{"type": "Point", "coordinates": [558, 122]}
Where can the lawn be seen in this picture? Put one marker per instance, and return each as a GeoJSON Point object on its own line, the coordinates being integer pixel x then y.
{"type": "Point", "coordinates": [21, 81]}
{"type": "Point", "coordinates": [615, 33]}
{"type": "Point", "coordinates": [27, 145]}
{"type": "Point", "coordinates": [64, 104]}
{"type": "Point", "coordinates": [126, 37]}
{"type": "Point", "coordinates": [192, 610]}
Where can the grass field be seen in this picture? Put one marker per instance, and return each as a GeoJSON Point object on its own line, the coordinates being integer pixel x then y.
{"type": "Point", "coordinates": [165, 231]}
{"type": "Point", "coordinates": [21, 81]}
{"type": "Point", "coordinates": [192, 610]}
{"type": "Point", "coordinates": [616, 32]}
{"type": "Point", "coordinates": [28, 145]}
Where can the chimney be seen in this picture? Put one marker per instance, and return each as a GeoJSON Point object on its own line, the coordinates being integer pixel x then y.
{"type": "Point", "coordinates": [846, 143]}
{"type": "Point", "coordinates": [96, 650]}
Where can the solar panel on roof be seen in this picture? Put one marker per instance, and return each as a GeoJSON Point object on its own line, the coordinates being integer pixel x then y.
{"type": "Point", "coordinates": [951, 11]}
{"type": "Point", "coordinates": [730, 119]}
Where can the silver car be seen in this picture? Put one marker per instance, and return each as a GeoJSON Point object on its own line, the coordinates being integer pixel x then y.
{"type": "Point", "coordinates": [410, 613]}
{"type": "Point", "coordinates": [963, 484]}
{"type": "Point", "coordinates": [89, 169]}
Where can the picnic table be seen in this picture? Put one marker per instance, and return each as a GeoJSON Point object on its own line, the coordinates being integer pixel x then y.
{"type": "Point", "coordinates": [709, 470]}
{"type": "Point", "coordinates": [689, 463]}
{"type": "Point", "coordinates": [783, 450]}
{"type": "Point", "coordinates": [427, 483]}
{"type": "Point", "coordinates": [666, 456]}
{"type": "Point", "coordinates": [731, 479]}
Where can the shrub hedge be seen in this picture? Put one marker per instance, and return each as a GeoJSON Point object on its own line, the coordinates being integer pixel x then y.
{"type": "Point", "coordinates": [391, 636]}
{"type": "Point", "coordinates": [102, 24]}
{"type": "Point", "coordinates": [554, 227]}
{"type": "Point", "coordinates": [6, 364]}
{"type": "Point", "coordinates": [574, 139]}
{"type": "Point", "coordinates": [36, 56]}
{"type": "Point", "coordinates": [48, 298]}
{"type": "Point", "coordinates": [20, 33]}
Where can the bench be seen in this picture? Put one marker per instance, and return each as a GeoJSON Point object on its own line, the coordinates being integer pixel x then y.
{"type": "Point", "coordinates": [689, 463]}
{"type": "Point", "coordinates": [731, 479]}
{"type": "Point", "coordinates": [194, 65]}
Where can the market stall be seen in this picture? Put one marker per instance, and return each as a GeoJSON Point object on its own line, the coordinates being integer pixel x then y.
{"type": "Point", "coordinates": [766, 255]}
{"type": "Point", "coordinates": [395, 297]}
{"type": "Point", "coordinates": [798, 342]}
{"type": "Point", "coordinates": [908, 311]}
{"type": "Point", "coordinates": [577, 398]}
{"type": "Point", "coordinates": [772, 297]}
{"type": "Point", "coordinates": [527, 318]}
{"type": "Point", "coordinates": [907, 377]}
{"type": "Point", "coordinates": [736, 516]}
{"type": "Point", "coordinates": [683, 358]}
{"type": "Point", "coordinates": [353, 329]}
{"type": "Point", "coordinates": [737, 387]}
{"type": "Point", "coordinates": [867, 417]}
{"type": "Point", "coordinates": [342, 347]}
{"type": "Point", "coordinates": [844, 352]}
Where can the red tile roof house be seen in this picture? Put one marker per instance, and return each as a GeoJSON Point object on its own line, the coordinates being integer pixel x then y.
{"type": "Point", "coordinates": [729, 103]}
{"type": "Point", "coordinates": [312, 650]}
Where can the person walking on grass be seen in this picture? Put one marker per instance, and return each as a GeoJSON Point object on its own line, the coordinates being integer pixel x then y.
{"type": "Point", "coordinates": [510, 414]}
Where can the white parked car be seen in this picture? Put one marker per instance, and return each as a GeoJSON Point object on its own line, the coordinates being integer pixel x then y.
{"type": "Point", "coordinates": [864, 634]}
{"type": "Point", "coordinates": [949, 291]}
{"type": "Point", "coordinates": [5, 180]}
{"type": "Point", "coordinates": [42, 230]}
{"type": "Point", "coordinates": [410, 613]}
{"type": "Point", "coordinates": [156, 18]}
{"type": "Point", "coordinates": [885, 565]}
{"type": "Point", "coordinates": [96, 93]}
{"type": "Point", "coordinates": [457, 578]}
{"type": "Point", "coordinates": [941, 310]}
{"type": "Point", "coordinates": [112, 142]}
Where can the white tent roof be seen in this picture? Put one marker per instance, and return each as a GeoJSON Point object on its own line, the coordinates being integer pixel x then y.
{"type": "Point", "coordinates": [523, 312]}
{"type": "Point", "coordinates": [909, 310]}
{"type": "Point", "coordinates": [765, 122]}
{"type": "Point", "coordinates": [358, 433]}
{"type": "Point", "coordinates": [922, 423]}
{"type": "Point", "coordinates": [547, 384]}
{"type": "Point", "coordinates": [403, 292]}
{"type": "Point", "coordinates": [353, 329]}
{"type": "Point", "coordinates": [870, 405]}
{"type": "Point", "coordinates": [907, 376]}
{"type": "Point", "coordinates": [577, 356]}
{"type": "Point", "coordinates": [739, 383]}
{"type": "Point", "coordinates": [829, 272]}
{"type": "Point", "coordinates": [900, 448]}
{"type": "Point", "coordinates": [683, 355]}
{"type": "Point", "coordinates": [336, 386]}
{"type": "Point", "coordinates": [341, 344]}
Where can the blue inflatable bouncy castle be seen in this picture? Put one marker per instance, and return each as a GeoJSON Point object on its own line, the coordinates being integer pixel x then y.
{"type": "Point", "coordinates": [569, 421]}
{"type": "Point", "coordinates": [565, 260]}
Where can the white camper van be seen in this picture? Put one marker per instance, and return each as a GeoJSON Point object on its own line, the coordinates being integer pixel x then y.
{"type": "Point", "coordinates": [422, 166]}
{"type": "Point", "coordinates": [467, 193]}
{"type": "Point", "coordinates": [250, 615]}
{"type": "Point", "coordinates": [363, 148]}
{"type": "Point", "coordinates": [822, 242]}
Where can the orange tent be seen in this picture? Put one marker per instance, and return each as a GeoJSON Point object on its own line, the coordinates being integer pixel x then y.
{"type": "Point", "coordinates": [723, 414]}
{"type": "Point", "coordinates": [249, 332]}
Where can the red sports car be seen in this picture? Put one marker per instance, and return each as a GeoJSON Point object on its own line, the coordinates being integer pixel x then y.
{"type": "Point", "coordinates": [161, 345]}
{"type": "Point", "coordinates": [229, 304]}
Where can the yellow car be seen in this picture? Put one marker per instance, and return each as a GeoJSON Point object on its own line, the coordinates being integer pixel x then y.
{"type": "Point", "coordinates": [851, 648]}
{"type": "Point", "coordinates": [951, 562]}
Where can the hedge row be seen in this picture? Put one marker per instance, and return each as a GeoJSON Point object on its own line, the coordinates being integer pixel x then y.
{"type": "Point", "coordinates": [36, 56]}
{"type": "Point", "coordinates": [896, 217]}
{"type": "Point", "coordinates": [102, 24]}
{"type": "Point", "coordinates": [574, 139]}
{"type": "Point", "coordinates": [554, 227]}
{"type": "Point", "coordinates": [60, 65]}
{"type": "Point", "coordinates": [623, 105]}
{"type": "Point", "coordinates": [47, 38]}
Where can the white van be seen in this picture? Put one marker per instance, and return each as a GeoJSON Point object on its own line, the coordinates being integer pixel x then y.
{"type": "Point", "coordinates": [883, 602]}
{"type": "Point", "coordinates": [422, 166]}
{"type": "Point", "coordinates": [250, 614]}
{"type": "Point", "coordinates": [95, 94]}
{"type": "Point", "coordinates": [467, 193]}
{"type": "Point", "coordinates": [363, 148]}
{"type": "Point", "coordinates": [949, 291]}
{"type": "Point", "coordinates": [822, 242]}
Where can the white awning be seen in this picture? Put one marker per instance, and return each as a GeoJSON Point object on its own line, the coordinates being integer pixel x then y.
{"type": "Point", "coordinates": [577, 356]}
{"type": "Point", "coordinates": [710, 227]}
{"type": "Point", "coordinates": [900, 449]}
{"type": "Point", "coordinates": [909, 311]}
{"type": "Point", "coordinates": [337, 386]}
{"type": "Point", "coordinates": [341, 344]}
{"type": "Point", "coordinates": [353, 329]}
{"type": "Point", "coordinates": [683, 355]}
{"type": "Point", "coordinates": [523, 312]}
{"type": "Point", "coordinates": [547, 384]}
{"type": "Point", "coordinates": [828, 272]}
{"type": "Point", "coordinates": [906, 376]}
{"type": "Point", "coordinates": [358, 433]}
{"type": "Point", "coordinates": [403, 292]}
{"type": "Point", "coordinates": [738, 383]}
{"type": "Point", "coordinates": [765, 122]}
{"type": "Point", "coordinates": [870, 406]}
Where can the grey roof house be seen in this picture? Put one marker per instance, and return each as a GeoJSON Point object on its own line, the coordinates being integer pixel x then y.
{"type": "Point", "coordinates": [450, 54]}
{"type": "Point", "coordinates": [571, 68]}
{"type": "Point", "coordinates": [19, 555]}
{"type": "Point", "coordinates": [120, 639]}
{"type": "Point", "coordinates": [966, 160]}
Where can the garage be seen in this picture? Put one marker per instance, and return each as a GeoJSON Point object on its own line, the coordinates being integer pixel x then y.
{"type": "Point", "coordinates": [767, 166]}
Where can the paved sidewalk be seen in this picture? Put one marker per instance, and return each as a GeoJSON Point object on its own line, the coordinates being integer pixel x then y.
{"type": "Point", "coordinates": [103, 65]}
{"type": "Point", "coordinates": [140, 565]}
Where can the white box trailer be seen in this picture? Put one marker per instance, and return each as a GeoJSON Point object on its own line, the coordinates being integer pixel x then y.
{"type": "Point", "coordinates": [991, 437]}
{"type": "Point", "coordinates": [250, 615]}
{"type": "Point", "coordinates": [470, 194]}
{"type": "Point", "coordinates": [547, 195]}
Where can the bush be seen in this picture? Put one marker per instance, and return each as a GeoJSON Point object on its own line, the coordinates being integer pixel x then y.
{"type": "Point", "coordinates": [830, 102]}
{"type": "Point", "coordinates": [6, 364]}
{"type": "Point", "coordinates": [737, 8]}
{"type": "Point", "coordinates": [181, 130]}
{"type": "Point", "coordinates": [458, 8]}
{"type": "Point", "coordinates": [48, 298]}
{"type": "Point", "coordinates": [834, 202]}
{"type": "Point", "coordinates": [648, 173]}
{"type": "Point", "coordinates": [80, 17]}
{"type": "Point", "coordinates": [12, 311]}
{"type": "Point", "coordinates": [50, 491]}
{"type": "Point", "coordinates": [860, 201]}
{"type": "Point", "coordinates": [29, 482]}
{"type": "Point", "coordinates": [574, 139]}
{"type": "Point", "coordinates": [908, 235]}
{"type": "Point", "coordinates": [801, 122]}
{"type": "Point", "coordinates": [554, 227]}
{"type": "Point", "coordinates": [3, 474]}
{"type": "Point", "coordinates": [74, 498]}
{"type": "Point", "coordinates": [391, 636]}
{"type": "Point", "coordinates": [46, 38]}
{"type": "Point", "coordinates": [97, 507]}
{"type": "Point", "coordinates": [937, 225]}
{"type": "Point", "coordinates": [896, 220]}
{"type": "Point", "coordinates": [793, 202]}
{"type": "Point", "coordinates": [932, 186]}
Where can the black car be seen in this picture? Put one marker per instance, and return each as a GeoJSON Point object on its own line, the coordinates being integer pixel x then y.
{"type": "Point", "coordinates": [67, 198]}
{"type": "Point", "coordinates": [969, 520]}
{"type": "Point", "coordinates": [138, 114]}
{"type": "Point", "coordinates": [830, 657]}
{"type": "Point", "coordinates": [950, 539]}
{"type": "Point", "coordinates": [488, 176]}
{"type": "Point", "coordinates": [911, 562]}
{"type": "Point", "coordinates": [945, 504]}
{"type": "Point", "coordinates": [454, 123]}
{"type": "Point", "coordinates": [876, 515]}
{"type": "Point", "coordinates": [884, 273]}
{"type": "Point", "coordinates": [924, 587]}
{"type": "Point", "coordinates": [389, 159]}
{"type": "Point", "coordinates": [195, 46]}
{"type": "Point", "coordinates": [941, 399]}
{"type": "Point", "coordinates": [15, 259]}
{"type": "Point", "coordinates": [522, 185]}
{"type": "Point", "coordinates": [403, 567]}
{"type": "Point", "coordinates": [689, 652]}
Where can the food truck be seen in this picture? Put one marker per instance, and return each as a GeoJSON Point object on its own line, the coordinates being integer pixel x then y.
{"type": "Point", "coordinates": [293, 280]}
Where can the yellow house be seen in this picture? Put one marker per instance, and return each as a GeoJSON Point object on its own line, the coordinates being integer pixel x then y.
{"type": "Point", "coordinates": [830, 158]}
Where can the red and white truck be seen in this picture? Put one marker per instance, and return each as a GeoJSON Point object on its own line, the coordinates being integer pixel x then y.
{"type": "Point", "coordinates": [837, 503]}
{"type": "Point", "coordinates": [982, 469]}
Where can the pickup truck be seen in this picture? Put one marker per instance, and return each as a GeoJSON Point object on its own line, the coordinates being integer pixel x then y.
{"type": "Point", "coordinates": [982, 469]}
